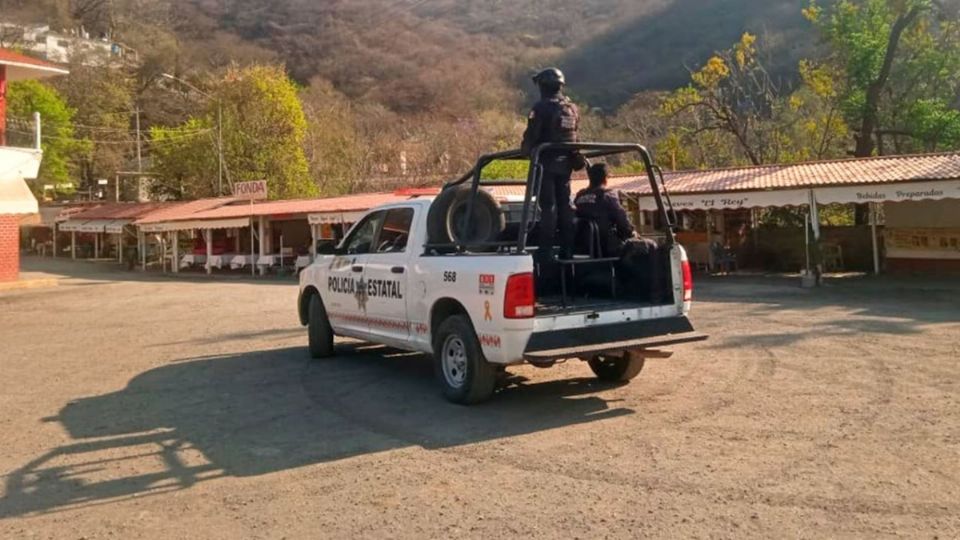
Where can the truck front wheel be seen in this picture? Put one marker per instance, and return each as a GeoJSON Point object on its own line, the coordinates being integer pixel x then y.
{"type": "Point", "coordinates": [463, 373]}
{"type": "Point", "coordinates": [617, 368]}
{"type": "Point", "coordinates": [319, 332]}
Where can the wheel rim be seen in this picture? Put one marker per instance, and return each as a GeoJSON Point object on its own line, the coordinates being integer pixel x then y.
{"type": "Point", "coordinates": [454, 360]}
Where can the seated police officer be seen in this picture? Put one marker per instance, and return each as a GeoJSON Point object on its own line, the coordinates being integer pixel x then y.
{"type": "Point", "coordinates": [602, 206]}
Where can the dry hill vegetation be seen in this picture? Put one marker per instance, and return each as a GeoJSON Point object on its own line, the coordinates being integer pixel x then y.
{"type": "Point", "coordinates": [401, 90]}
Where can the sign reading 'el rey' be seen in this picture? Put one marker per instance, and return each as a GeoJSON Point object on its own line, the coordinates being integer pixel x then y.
{"type": "Point", "coordinates": [253, 191]}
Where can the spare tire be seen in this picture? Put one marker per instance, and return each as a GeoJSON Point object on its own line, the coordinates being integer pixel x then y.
{"type": "Point", "coordinates": [445, 219]}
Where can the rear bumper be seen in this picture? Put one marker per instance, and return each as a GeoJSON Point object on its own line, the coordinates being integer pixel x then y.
{"type": "Point", "coordinates": [560, 344]}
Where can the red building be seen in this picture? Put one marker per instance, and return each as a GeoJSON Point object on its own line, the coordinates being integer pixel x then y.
{"type": "Point", "coordinates": [17, 164]}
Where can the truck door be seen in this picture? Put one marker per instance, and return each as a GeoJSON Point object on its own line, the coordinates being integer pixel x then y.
{"type": "Point", "coordinates": [346, 298]}
{"type": "Point", "coordinates": [386, 274]}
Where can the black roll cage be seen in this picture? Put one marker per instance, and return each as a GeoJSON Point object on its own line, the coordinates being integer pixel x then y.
{"type": "Point", "coordinates": [588, 150]}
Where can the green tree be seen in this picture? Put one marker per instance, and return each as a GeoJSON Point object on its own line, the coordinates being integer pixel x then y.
{"type": "Point", "coordinates": [732, 94]}
{"type": "Point", "coordinates": [264, 130]}
{"type": "Point", "coordinates": [898, 64]}
{"type": "Point", "coordinates": [264, 133]}
{"type": "Point", "coordinates": [60, 146]}
{"type": "Point", "coordinates": [103, 100]}
{"type": "Point", "coordinates": [185, 160]}
{"type": "Point", "coordinates": [333, 147]}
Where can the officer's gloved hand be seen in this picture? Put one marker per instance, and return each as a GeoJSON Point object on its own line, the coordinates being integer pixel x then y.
{"type": "Point", "coordinates": [579, 162]}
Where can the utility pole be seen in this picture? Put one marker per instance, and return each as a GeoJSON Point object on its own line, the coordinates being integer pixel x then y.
{"type": "Point", "coordinates": [139, 149]}
{"type": "Point", "coordinates": [219, 147]}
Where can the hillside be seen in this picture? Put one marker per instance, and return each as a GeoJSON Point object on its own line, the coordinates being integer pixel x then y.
{"type": "Point", "coordinates": [656, 51]}
{"type": "Point", "coordinates": [441, 56]}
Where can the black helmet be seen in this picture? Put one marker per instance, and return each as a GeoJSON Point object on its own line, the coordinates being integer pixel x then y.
{"type": "Point", "coordinates": [550, 77]}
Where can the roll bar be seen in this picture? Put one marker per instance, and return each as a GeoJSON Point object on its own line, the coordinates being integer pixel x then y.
{"type": "Point", "coordinates": [589, 150]}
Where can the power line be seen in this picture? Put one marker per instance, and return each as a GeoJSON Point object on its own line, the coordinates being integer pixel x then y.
{"type": "Point", "coordinates": [29, 124]}
{"type": "Point", "coordinates": [117, 142]}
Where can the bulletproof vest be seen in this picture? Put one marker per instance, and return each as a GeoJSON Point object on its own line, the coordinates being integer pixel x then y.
{"type": "Point", "coordinates": [564, 121]}
{"type": "Point", "coordinates": [591, 204]}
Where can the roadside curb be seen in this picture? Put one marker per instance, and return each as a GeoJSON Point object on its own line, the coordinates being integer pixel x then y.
{"type": "Point", "coordinates": [24, 284]}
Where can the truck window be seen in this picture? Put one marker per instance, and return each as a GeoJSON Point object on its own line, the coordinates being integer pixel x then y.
{"type": "Point", "coordinates": [361, 240]}
{"type": "Point", "coordinates": [396, 231]}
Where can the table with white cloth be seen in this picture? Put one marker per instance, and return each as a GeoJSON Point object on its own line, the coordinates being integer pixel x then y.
{"type": "Point", "coordinates": [191, 259]}
{"type": "Point", "coordinates": [217, 261]}
{"type": "Point", "coordinates": [273, 259]}
{"type": "Point", "coordinates": [241, 261]}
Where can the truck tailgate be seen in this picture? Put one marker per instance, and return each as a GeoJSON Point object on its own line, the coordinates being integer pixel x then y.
{"type": "Point", "coordinates": [574, 343]}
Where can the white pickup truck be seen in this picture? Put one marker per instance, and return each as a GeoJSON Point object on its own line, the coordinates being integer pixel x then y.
{"type": "Point", "coordinates": [470, 301]}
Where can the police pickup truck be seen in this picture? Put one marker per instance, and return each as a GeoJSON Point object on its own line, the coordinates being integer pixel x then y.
{"type": "Point", "coordinates": [452, 277]}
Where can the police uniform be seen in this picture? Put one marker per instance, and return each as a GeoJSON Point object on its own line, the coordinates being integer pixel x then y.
{"type": "Point", "coordinates": [554, 119]}
{"type": "Point", "coordinates": [602, 206]}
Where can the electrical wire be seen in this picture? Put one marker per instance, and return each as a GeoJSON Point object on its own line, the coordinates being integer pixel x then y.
{"type": "Point", "coordinates": [146, 141]}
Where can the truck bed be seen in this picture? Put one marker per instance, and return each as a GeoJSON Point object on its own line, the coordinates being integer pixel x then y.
{"type": "Point", "coordinates": [550, 306]}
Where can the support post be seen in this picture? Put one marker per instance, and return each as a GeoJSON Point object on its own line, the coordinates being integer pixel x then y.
{"type": "Point", "coordinates": [142, 248]}
{"type": "Point", "coordinates": [208, 236]}
{"type": "Point", "coordinates": [253, 251]}
{"type": "Point", "coordinates": [96, 245]}
{"type": "Point", "coordinates": [175, 265]}
{"type": "Point", "coordinates": [120, 246]}
{"type": "Point", "coordinates": [815, 236]}
{"type": "Point", "coordinates": [54, 239]}
{"type": "Point", "coordinates": [38, 132]}
{"type": "Point", "coordinates": [313, 243]}
{"type": "Point", "coordinates": [263, 244]}
{"type": "Point", "coordinates": [73, 245]}
{"type": "Point", "coordinates": [873, 238]}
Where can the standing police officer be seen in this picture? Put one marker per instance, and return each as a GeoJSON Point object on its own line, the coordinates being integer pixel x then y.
{"type": "Point", "coordinates": [554, 119]}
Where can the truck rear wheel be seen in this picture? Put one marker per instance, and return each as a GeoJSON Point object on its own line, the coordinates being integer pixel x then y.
{"type": "Point", "coordinates": [617, 368]}
{"type": "Point", "coordinates": [461, 369]}
{"type": "Point", "coordinates": [319, 332]}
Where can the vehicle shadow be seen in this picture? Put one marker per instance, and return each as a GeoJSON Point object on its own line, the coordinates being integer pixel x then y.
{"type": "Point", "coordinates": [268, 411]}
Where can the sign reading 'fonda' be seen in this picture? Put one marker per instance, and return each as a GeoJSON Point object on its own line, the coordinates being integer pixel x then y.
{"type": "Point", "coordinates": [253, 191]}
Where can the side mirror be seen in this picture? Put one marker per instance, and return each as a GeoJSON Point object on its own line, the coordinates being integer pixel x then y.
{"type": "Point", "coordinates": [326, 247]}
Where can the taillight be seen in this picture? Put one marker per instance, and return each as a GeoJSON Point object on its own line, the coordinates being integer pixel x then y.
{"type": "Point", "coordinates": [520, 300]}
{"type": "Point", "coordinates": [687, 281]}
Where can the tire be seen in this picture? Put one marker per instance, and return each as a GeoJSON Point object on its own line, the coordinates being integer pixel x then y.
{"type": "Point", "coordinates": [319, 332]}
{"type": "Point", "coordinates": [464, 374]}
{"type": "Point", "coordinates": [617, 368]}
{"type": "Point", "coordinates": [446, 214]}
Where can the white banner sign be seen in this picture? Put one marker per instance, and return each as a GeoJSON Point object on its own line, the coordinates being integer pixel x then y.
{"type": "Point", "coordinates": [253, 191]}
{"type": "Point", "coordinates": [334, 218]}
{"type": "Point", "coordinates": [732, 201]}
{"type": "Point", "coordinates": [879, 193]}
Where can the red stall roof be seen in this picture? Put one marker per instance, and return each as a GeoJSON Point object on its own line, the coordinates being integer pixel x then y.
{"type": "Point", "coordinates": [20, 67]}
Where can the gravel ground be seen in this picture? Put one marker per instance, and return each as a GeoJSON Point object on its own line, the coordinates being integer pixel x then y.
{"type": "Point", "coordinates": [135, 407]}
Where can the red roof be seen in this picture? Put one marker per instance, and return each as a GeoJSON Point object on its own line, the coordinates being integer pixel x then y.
{"type": "Point", "coordinates": [183, 210]}
{"type": "Point", "coordinates": [20, 66]}
{"type": "Point", "coordinates": [844, 172]}
{"type": "Point", "coordinates": [120, 211]}
{"type": "Point", "coordinates": [226, 208]}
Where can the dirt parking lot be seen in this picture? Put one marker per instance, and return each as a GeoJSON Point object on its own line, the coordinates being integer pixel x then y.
{"type": "Point", "coordinates": [137, 407]}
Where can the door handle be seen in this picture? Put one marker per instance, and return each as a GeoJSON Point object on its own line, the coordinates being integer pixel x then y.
{"type": "Point", "coordinates": [398, 269]}
{"type": "Point", "coordinates": [357, 268]}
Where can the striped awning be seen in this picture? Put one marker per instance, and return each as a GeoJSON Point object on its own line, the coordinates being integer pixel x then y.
{"type": "Point", "coordinates": [232, 223]}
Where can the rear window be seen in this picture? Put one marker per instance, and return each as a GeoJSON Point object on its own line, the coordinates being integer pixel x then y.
{"type": "Point", "coordinates": [396, 231]}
